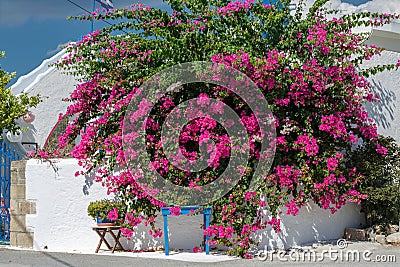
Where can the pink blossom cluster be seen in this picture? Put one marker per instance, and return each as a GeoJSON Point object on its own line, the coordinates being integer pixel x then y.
{"type": "Point", "coordinates": [220, 231]}
{"type": "Point", "coordinates": [334, 125]}
{"type": "Point", "coordinates": [175, 211]}
{"type": "Point", "coordinates": [235, 7]}
{"type": "Point", "coordinates": [307, 144]}
{"type": "Point", "coordinates": [286, 176]}
{"type": "Point", "coordinates": [113, 214]}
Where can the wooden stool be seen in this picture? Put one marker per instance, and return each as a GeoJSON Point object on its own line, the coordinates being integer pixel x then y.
{"type": "Point", "coordinates": [102, 231]}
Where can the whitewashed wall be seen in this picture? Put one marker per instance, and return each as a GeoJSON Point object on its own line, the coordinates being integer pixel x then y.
{"type": "Point", "coordinates": [61, 222]}
{"type": "Point", "coordinates": [312, 224]}
{"type": "Point", "coordinates": [386, 112]}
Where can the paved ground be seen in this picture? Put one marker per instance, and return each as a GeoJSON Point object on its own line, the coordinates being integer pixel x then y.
{"type": "Point", "coordinates": [328, 254]}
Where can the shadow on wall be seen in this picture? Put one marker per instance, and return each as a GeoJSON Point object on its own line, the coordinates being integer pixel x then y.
{"type": "Point", "coordinates": [29, 135]}
{"type": "Point", "coordinates": [141, 239]}
{"type": "Point", "coordinates": [382, 112]}
{"type": "Point", "coordinates": [89, 180]}
{"type": "Point", "coordinates": [310, 225]}
{"type": "Point", "coordinates": [185, 233]}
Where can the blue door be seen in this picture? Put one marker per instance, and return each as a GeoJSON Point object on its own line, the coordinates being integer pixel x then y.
{"type": "Point", "coordinates": [7, 154]}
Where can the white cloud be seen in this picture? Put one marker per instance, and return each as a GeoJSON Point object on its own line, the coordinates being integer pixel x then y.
{"type": "Point", "coordinates": [380, 6]}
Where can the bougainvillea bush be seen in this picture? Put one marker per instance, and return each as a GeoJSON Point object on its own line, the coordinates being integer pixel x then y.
{"type": "Point", "coordinates": [307, 66]}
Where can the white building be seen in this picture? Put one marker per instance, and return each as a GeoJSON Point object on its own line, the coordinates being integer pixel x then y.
{"type": "Point", "coordinates": [54, 86]}
{"type": "Point", "coordinates": [44, 186]}
{"type": "Point", "coordinates": [386, 113]}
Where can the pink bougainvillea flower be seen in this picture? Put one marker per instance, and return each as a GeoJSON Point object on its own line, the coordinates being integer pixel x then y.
{"type": "Point", "coordinates": [331, 163]}
{"type": "Point", "coordinates": [113, 214]}
{"type": "Point", "coordinates": [381, 149]}
{"type": "Point", "coordinates": [197, 249]}
{"type": "Point", "coordinates": [127, 232]}
{"type": "Point", "coordinates": [175, 211]}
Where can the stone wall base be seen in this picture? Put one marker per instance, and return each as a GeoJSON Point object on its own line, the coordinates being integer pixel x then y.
{"type": "Point", "coordinates": [20, 236]}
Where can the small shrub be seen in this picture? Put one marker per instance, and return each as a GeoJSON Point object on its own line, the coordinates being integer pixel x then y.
{"type": "Point", "coordinates": [103, 207]}
{"type": "Point", "coordinates": [381, 170]}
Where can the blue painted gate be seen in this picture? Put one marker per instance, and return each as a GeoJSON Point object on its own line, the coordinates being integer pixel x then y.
{"type": "Point", "coordinates": [7, 154]}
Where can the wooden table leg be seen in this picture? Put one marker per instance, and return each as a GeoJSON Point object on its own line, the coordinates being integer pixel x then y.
{"type": "Point", "coordinates": [116, 239]}
{"type": "Point", "coordinates": [102, 234]}
{"type": "Point", "coordinates": [101, 240]}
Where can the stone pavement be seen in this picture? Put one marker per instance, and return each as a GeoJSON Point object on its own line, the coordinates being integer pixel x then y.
{"type": "Point", "coordinates": [333, 253]}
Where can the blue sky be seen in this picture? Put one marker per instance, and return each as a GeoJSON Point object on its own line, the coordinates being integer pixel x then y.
{"type": "Point", "coordinates": [33, 30]}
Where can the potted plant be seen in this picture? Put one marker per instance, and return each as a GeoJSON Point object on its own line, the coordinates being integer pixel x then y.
{"type": "Point", "coordinates": [100, 209]}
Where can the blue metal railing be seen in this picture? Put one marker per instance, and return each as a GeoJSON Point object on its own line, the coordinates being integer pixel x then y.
{"type": "Point", "coordinates": [8, 153]}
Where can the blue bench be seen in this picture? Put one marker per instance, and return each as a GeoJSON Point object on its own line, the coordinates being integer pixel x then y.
{"type": "Point", "coordinates": [184, 211]}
